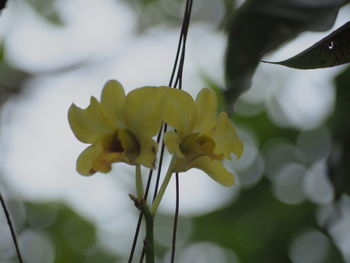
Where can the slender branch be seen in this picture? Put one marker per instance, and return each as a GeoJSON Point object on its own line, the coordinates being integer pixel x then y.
{"type": "Point", "coordinates": [138, 226]}
{"type": "Point", "coordinates": [160, 165]}
{"type": "Point", "coordinates": [142, 255]}
{"type": "Point", "coordinates": [179, 68]}
{"type": "Point", "coordinates": [163, 187]}
{"type": "Point", "coordinates": [136, 235]}
{"type": "Point", "coordinates": [176, 217]}
{"type": "Point", "coordinates": [12, 230]}
{"type": "Point", "coordinates": [148, 242]}
{"type": "Point", "coordinates": [184, 31]}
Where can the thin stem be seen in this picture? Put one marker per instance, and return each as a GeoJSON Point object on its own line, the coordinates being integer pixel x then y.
{"type": "Point", "coordinates": [173, 246]}
{"type": "Point", "coordinates": [160, 164]}
{"type": "Point", "coordinates": [179, 68]}
{"type": "Point", "coordinates": [149, 240]}
{"type": "Point", "coordinates": [148, 243]}
{"type": "Point", "coordinates": [163, 129]}
{"type": "Point", "coordinates": [12, 230]}
{"type": "Point", "coordinates": [138, 226]}
{"type": "Point", "coordinates": [134, 242]}
{"type": "Point", "coordinates": [139, 185]}
{"type": "Point", "coordinates": [142, 255]}
{"type": "Point", "coordinates": [181, 43]}
{"type": "Point", "coordinates": [163, 187]}
{"type": "Point", "coordinates": [184, 31]}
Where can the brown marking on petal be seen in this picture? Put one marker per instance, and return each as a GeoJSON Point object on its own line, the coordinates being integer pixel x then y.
{"type": "Point", "coordinates": [92, 171]}
{"type": "Point", "coordinates": [116, 145]}
{"type": "Point", "coordinates": [153, 149]}
{"type": "Point", "coordinates": [201, 140]}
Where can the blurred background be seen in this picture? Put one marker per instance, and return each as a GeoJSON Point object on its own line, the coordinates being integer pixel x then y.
{"type": "Point", "coordinates": [291, 202]}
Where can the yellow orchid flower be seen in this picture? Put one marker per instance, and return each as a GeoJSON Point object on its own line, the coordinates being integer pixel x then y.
{"type": "Point", "coordinates": [201, 140]}
{"type": "Point", "coordinates": [119, 128]}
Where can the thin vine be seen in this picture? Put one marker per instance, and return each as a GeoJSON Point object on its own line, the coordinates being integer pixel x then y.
{"type": "Point", "coordinates": [176, 71]}
{"type": "Point", "coordinates": [12, 229]}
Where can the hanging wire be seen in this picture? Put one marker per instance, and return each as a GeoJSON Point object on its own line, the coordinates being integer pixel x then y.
{"type": "Point", "coordinates": [138, 226]}
{"type": "Point", "coordinates": [12, 230]}
{"type": "Point", "coordinates": [179, 79]}
{"type": "Point", "coordinates": [177, 68]}
{"type": "Point", "coordinates": [176, 217]}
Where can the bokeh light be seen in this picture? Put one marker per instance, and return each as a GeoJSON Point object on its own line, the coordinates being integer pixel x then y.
{"type": "Point", "coordinates": [282, 120]}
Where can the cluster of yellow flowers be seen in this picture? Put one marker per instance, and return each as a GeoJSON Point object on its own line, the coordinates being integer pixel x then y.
{"type": "Point", "coordinates": [121, 128]}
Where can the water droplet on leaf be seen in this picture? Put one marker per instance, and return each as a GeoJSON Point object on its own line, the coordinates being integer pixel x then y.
{"type": "Point", "coordinates": [331, 45]}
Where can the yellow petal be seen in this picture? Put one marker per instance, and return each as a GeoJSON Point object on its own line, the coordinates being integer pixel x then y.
{"type": "Point", "coordinates": [215, 169]}
{"type": "Point", "coordinates": [226, 138]}
{"type": "Point", "coordinates": [89, 125]}
{"type": "Point", "coordinates": [206, 107]}
{"type": "Point", "coordinates": [143, 111]}
{"type": "Point", "coordinates": [172, 142]}
{"type": "Point", "coordinates": [130, 145]}
{"type": "Point", "coordinates": [112, 101]}
{"type": "Point", "coordinates": [189, 146]}
{"type": "Point", "coordinates": [179, 110]}
{"type": "Point", "coordinates": [87, 158]}
{"type": "Point", "coordinates": [148, 154]}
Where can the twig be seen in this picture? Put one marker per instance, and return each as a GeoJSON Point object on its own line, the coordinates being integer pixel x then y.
{"type": "Point", "coordinates": [176, 217]}
{"type": "Point", "coordinates": [148, 242]}
{"type": "Point", "coordinates": [10, 224]}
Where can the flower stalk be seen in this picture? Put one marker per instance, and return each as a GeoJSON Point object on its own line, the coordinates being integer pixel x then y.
{"type": "Point", "coordinates": [139, 185]}
{"type": "Point", "coordinates": [149, 239]}
{"type": "Point", "coordinates": [163, 187]}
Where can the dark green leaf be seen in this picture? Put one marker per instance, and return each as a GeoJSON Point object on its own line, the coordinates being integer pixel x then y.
{"type": "Point", "coordinates": [2, 4]}
{"type": "Point", "coordinates": [339, 125]}
{"type": "Point", "coordinates": [261, 26]}
{"type": "Point", "coordinates": [333, 50]}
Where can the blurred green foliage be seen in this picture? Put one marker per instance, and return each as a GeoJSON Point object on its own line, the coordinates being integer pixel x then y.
{"type": "Point", "coordinates": [256, 226]}
{"type": "Point", "coordinates": [339, 161]}
{"type": "Point", "coordinates": [47, 10]}
{"type": "Point", "coordinates": [12, 79]}
{"type": "Point", "coordinates": [259, 227]}
{"type": "Point", "coordinates": [73, 237]}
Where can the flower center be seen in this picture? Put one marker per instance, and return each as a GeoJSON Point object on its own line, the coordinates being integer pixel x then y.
{"type": "Point", "coordinates": [115, 145]}
{"type": "Point", "coordinates": [121, 146]}
{"type": "Point", "coordinates": [195, 146]}
{"type": "Point", "coordinates": [126, 143]}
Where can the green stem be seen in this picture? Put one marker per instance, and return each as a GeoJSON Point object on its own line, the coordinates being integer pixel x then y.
{"type": "Point", "coordinates": [163, 187]}
{"type": "Point", "coordinates": [139, 185]}
{"type": "Point", "coordinates": [149, 240]}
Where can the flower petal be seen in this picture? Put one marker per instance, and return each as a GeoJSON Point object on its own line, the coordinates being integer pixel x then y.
{"type": "Point", "coordinates": [143, 111]}
{"type": "Point", "coordinates": [215, 169]}
{"type": "Point", "coordinates": [130, 145]}
{"type": "Point", "coordinates": [112, 101]}
{"type": "Point", "coordinates": [226, 138]}
{"type": "Point", "coordinates": [148, 154]}
{"type": "Point", "coordinates": [206, 107]}
{"type": "Point", "coordinates": [179, 110]}
{"type": "Point", "coordinates": [87, 159]}
{"type": "Point", "coordinates": [172, 142]}
{"type": "Point", "coordinates": [89, 125]}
